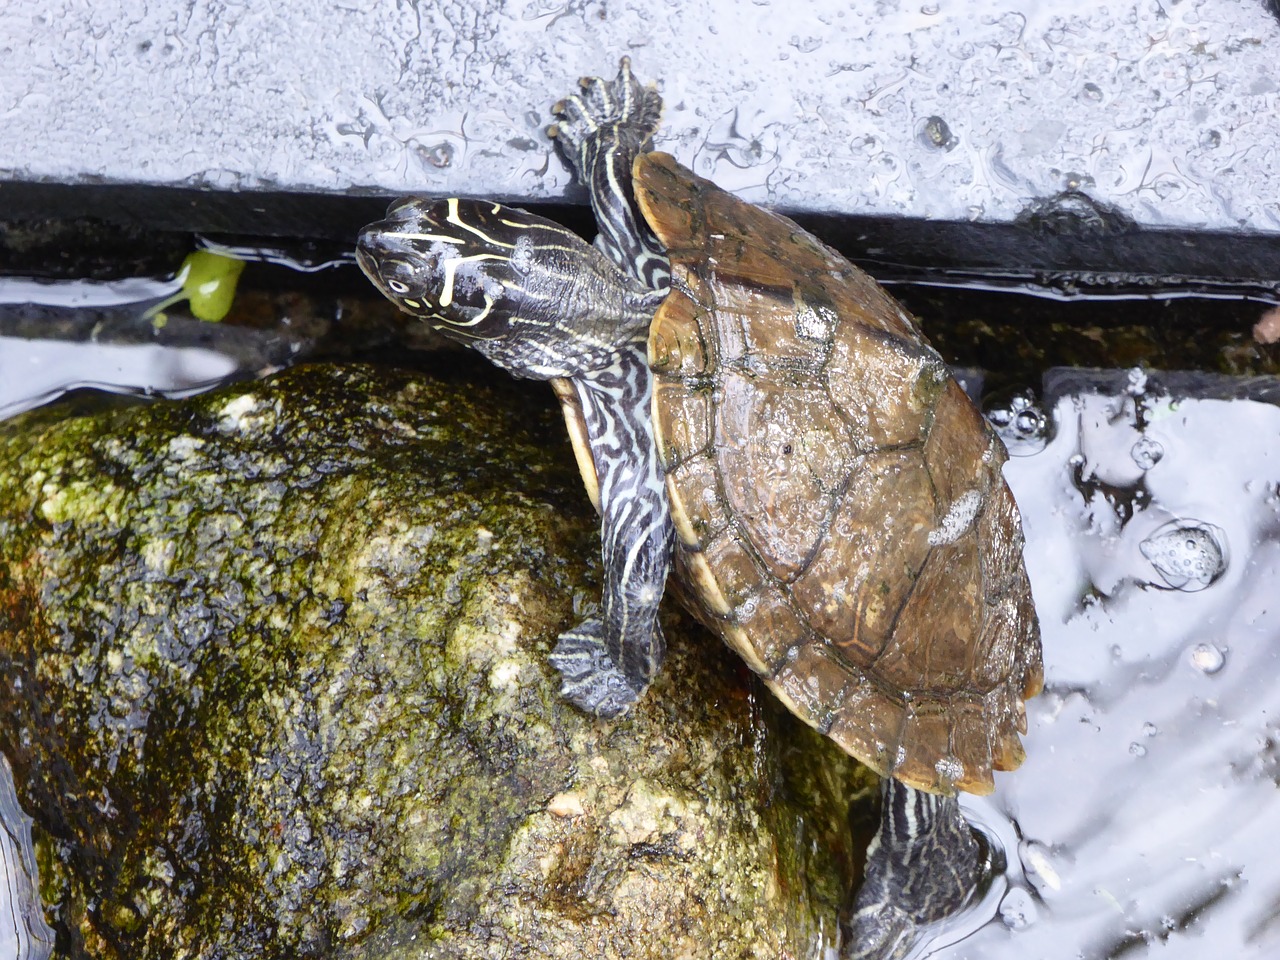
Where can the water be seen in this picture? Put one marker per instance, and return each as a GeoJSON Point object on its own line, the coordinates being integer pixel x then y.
{"type": "Point", "coordinates": [1142, 821]}
{"type": "Point", "coordinates": [23, 933]}
{"type": "Point", "coordinates": [33, 372]}
{"type": "Point", "coordinates": [88, 314]}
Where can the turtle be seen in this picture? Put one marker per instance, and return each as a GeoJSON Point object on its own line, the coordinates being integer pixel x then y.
{"type": "Point", "coordinates": [747, 405]}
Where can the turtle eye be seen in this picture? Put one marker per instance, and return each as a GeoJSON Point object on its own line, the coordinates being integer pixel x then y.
{"type": "Point", "coordinates": [405, 276]}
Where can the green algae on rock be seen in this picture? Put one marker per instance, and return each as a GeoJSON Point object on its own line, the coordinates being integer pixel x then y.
{"type": "Point", "coordinates": [277, 687]}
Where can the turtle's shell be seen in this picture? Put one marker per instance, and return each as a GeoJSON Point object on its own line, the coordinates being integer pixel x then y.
{"type": "Point", "coordinates": [841, 515]}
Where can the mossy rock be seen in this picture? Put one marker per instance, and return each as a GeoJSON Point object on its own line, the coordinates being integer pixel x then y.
{"type": "Point", "coordinates": [277, 687]}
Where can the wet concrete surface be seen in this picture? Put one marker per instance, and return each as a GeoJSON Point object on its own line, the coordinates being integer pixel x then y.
{"type": "Point", "coordinates": [1139, 114]}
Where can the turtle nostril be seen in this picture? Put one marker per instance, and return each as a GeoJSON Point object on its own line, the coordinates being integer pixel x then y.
{"type": "Point", "coordinates": [365, 260]}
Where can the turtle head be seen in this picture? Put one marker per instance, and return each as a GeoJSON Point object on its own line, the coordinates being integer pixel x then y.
{"type": "Point", "coordinates": [452, 262]}
{"type": "Point", "coordinates": [530, 295]}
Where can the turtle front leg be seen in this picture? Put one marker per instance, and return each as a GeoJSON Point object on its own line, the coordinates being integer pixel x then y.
{"type": "Point", "coordinates": [601, 131]}
{"type": "Point", "coordinates": [922, 866]}
{"type": "Point", "coordinates": [608, 661]}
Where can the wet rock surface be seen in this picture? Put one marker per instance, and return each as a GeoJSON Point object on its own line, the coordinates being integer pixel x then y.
{"type": "Point", "coordinates": [276, 686]}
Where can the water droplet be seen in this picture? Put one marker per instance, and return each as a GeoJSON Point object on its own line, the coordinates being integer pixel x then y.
{"type": "Point", "coordinates": [959, 518]}
{"type": "Point", "coordinates": [438, 155]}
{"type": "Point", "coordinates": [938, 135]}
{"type": "Point", "coordinates": [806, 44]}
{"type": "Point", "coordinates": [1149, 729]}
{"type": "Point", "coordinates": [1188, 554]}
{"type": "Point", "coordinates": [1091, 91]}
{"type": "Point", "coordinates": [950, 769]}
{"type": "Point", "coordinates": [1137, 382]}
{"type": "Point", "coordinates": [1207, 658]}
{"type": "Point", "coordinates": [1147, 452]}
{"type": "Point", "coordinates": [1078, 181]}
{"type": "Point", "coordinates": [1137, 749]}
{"type": "Point", "coordinates": [1018, 909]}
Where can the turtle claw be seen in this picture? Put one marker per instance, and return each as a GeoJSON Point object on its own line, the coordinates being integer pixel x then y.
{"type": "Point", "coordinates": [591, 679]}
{"type": "Point", "coordinates": [602, 98]}
{"type": "Point", "coordinates": [617, 105]}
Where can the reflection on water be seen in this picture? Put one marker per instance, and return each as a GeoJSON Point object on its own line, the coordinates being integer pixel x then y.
{"type": "Point", "coordinates": [1142, 823]}
{"type": "Point", "coordinates": [23, 933]}
{"type": "Point", "coordinates": [33, 372]}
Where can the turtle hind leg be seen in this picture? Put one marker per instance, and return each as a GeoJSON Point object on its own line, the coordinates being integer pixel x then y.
{"type": "Point", "coordinates": [922, 866]}
{"type": "Point", "coordinates": [601, 132]}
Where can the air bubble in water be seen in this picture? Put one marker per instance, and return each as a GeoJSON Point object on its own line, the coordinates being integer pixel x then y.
{"type": "Point", "coordinates": [1021, 425]}
{"type": "Point", "coordinates": [1188, 554]}
{"type": "Point", "coordinates": [1018, 909]}
{"type": "Point", "coordinates": [1137, 749]}
{"type": "Point", "coordinates": [1147, 453]}
{"type": "Point", "coordinates": [1207, 658]}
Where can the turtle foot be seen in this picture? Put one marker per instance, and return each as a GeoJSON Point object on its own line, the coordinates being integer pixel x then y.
{"type": "Point", "coordinates": [618, 110]}
{"type": "Point", "coordinates": [591, 679]}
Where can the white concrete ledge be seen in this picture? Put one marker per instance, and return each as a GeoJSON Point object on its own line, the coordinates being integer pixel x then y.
{"type": "Point", "coordinates": [963, 111]}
